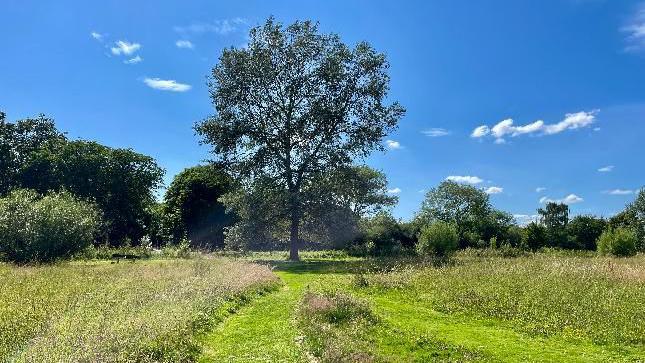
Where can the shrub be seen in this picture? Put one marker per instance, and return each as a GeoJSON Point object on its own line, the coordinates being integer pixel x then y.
{"type": "Point", "coordinates": [617, 242]}
{"type": "Point", "coordinates": [35, 229]}
{"type": "Point", "coordinates": [439, 239]}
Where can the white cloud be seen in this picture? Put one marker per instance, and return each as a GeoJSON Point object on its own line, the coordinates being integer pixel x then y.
{"type": "Point", "coordinates": [393, 145]}
{"type": "Point", "coordinates": [606, 169]}
{"type": "Point", "coordinates": [619, 192]}
{"type": "Point", "coordinates": [166, 85]}
{"type": "Point", "coordinates": [394, 191]}
{"type": "Point", "coordinates": [635, 30]}
{"type": "Point", "coordinates": [569, 199]}
{"type": "Point", "coordinates": [540, 189]}
{"type": "Point", "coordinates": [524, 219]}
{"type": "Point", "coordinates": [134, 60]}
{"type": "Point", "coordinates": [221, 27]}
{"type": "Point", "coordinates": [507, 127]}
{"type": "Point", "coordinates": [125, 47]}
{"type": "Point", "coordinates": [97, 36]}
{"type": "Point", "coordinates": [480, 131]}
{"type": "Point", "coordinates": [494, 190]}
{"type": "Point", "coordinates": [467, 179]}
{"type": "Point", "coordinates": [184, 44]}
{"type": "Point", "coordinates": [436, 132]}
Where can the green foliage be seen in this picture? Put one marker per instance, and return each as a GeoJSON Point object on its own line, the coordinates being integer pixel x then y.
{"type": "Point", "coordinates": [18, 141]}
{"type": "Point", "coordinates": [633, 217]}
{"type": "Point", "coordinates": [381, 235]}
{"type": "Point", "coordinates": [516, 237]}
{"type": "Point", "coordinates": [290, 84]}
{"type": "Point", "coordinates": [438, 239]}
{"type": "Point", "coordinates": [35, 229]}
{"type": "Point", "coordinates": [120, 181]}
{"type": "Point", "coordinates": [193, 209]}
{"type": "Point", "coordinates": [466, 207]}
{"type": "Point", "coordinates": [536, 236]}
{"type": "Point", "coordinates": [618, 242]}
{"type": "Point", "coordinates": [583, 231]}
{"type": "Point", "coordinates": [35, 155]}
{"type": "Point", "coordinates": [555, 217]}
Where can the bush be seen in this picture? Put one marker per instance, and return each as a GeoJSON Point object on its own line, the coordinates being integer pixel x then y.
{"type": "Point", "coordinates": [439, 239]}
{"type": "Point", "coordinates": [617, 242]}
{"type": "Point", "coordinates": [35, 229]}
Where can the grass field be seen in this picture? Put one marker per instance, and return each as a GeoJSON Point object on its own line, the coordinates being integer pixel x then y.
{"type": "Point", "coordinates": [541, 308]}
{"type": "Point", "coordinates": [328, 308]}
{"type": "Point", "coordinates": [97, 311]}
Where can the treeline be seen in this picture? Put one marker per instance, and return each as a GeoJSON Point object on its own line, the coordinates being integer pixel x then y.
{"type": "Point", "coordinates": [61, 196]}
{"type": "Point", "coordinates": [455, 216]}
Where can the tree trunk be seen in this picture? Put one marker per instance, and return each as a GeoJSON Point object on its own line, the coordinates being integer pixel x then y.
{"type": "Point", "coordinates": [293, 240]}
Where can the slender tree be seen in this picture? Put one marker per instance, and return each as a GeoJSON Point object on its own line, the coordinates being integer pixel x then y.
{"type": "Point", "coordinates": [295, 104]}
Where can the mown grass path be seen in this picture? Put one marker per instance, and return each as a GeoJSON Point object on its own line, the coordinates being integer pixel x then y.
{"type": "Point", "coordinates": [265, 330]}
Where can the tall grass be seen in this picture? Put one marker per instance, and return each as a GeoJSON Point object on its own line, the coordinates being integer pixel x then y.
{"type": "Point", "coordinates": [599, 299]}
{"type": "Point", "coordinates": [143, 311]}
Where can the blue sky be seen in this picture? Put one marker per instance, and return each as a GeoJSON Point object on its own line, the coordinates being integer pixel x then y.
{"type": "Point", "coordinates": [555, 89]}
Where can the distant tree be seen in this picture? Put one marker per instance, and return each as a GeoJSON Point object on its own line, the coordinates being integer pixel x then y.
{"type": "Point", "coordinates": [438, 239]}
{"type": "Point", "coordinates": [583, 231]}
{"type": "Point", "coordinates": [536, 236]}
{"type": "Point", "coordinates": [120, 181]}
{"type": "Point", "coordinates": [293, 105]}
{"type": "Point", "coordinates": [466, 207]}
{"type": "Point", "coordinates": [193, 207]}
{"type": "Point", "coordinates": [381, 234]}
{"type": "Point", "coordinates": [18, 141]}
{"type": "Point", "coordinates": [555, 217]}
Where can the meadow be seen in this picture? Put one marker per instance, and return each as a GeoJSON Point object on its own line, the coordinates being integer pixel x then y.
{"type": "Point", "coordinates": [119, 312]}
{"type": "Point", "coordinates": [481, 305]}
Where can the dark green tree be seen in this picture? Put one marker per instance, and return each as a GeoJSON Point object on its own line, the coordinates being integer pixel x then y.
{"type": "Point", "coordinates": [120, 181]}
{"type": "Point", "coordinates": [18, 141]}
{"type": "Point", "coordinates": [583, 232]}
{"type": "Point", "coordinates": [193, 208]}
{"type": "Point", "coordinates": [555, 217]}
{"type": "Point", "coordinates": [293, 105]}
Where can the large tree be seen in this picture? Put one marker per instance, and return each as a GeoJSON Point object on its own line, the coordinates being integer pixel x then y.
{"type": "Point", "coordinates": [555, 217]}
{"type": "Point", "coordinates": [293, 105]}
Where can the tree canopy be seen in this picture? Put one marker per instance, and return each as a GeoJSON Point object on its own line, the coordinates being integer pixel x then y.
{"type": "Point", "coordinates": [296, 104]}
{"type": "Point", "coordinates": [193, 209]}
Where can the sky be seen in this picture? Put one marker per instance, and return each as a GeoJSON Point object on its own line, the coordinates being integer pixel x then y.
{"type": "Point", "coordinates": [531, 101]}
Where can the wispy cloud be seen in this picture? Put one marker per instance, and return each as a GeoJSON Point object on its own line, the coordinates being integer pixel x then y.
{"type": "Point", "coordinates": [569, 199]}
{"type": "Point", "coordinates": [221, 27]}
{"type": "Point", "coordinates": [393, 145]}
{"type": "Point", "coordinates": [124, 47]}
{"type": "Point", "coordinates": [619, 192]}
{"type": "Point", "coordinates": [507, 127]}
{"type": "Point", "coordinates": [166, 85]}
{"type": "Point", "coordinates": [134, 60]}
{"type": "Point", "coordinates": [467, 179]}
{"type": "Point", "coordinates": [540, 189]}
{"type": "Point", "coordinates": [635, 30]}
{"type": "Point", "coordinates": [436, 132]}
{"type": "Point", "coordinates": [494, 190]}
{"type": "Point", "coordinates": [394, 190]}
{"type": "Point", "coordinates": [606, 169]}
{"type": "Point", "coordinates": [97, 36]}
{"type": "Point", "coordinates": [187, 44]}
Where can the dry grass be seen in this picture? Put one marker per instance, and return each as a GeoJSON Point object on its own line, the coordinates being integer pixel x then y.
{"type": "Point", "coordinates": [144, 311]}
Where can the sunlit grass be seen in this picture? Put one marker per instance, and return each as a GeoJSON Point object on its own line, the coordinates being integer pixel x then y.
{"type": "Point", "coordinates": [143, 311]}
